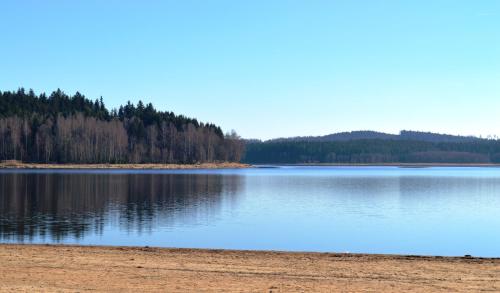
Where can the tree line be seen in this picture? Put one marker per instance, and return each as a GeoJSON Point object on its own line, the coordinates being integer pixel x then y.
{"type": "Point", "coordinates": [74, 129]}
{"type": "Point", "coordinates": [373, 151]}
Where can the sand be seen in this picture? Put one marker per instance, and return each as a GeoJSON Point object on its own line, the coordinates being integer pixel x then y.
{"type": "Point", "coordinates": [49, 268]}
{"type": "Point", "coordinates": [21, 165]}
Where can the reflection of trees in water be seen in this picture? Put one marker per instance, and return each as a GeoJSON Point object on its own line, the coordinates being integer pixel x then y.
{"type": "Point", "coordinates": [415, 189]}
{"type": "Point", "coordinates": [62, 205]}
{"type": "Point", "coordinates": [152, 200]}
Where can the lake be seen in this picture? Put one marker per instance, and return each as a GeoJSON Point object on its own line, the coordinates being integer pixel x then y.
{"type": "Point", "coordinates": [429, 211]}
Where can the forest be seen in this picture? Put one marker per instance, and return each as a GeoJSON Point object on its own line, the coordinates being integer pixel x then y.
{"type": "Point", "coordinates": [59, 128]}
{"type": "Point", "coordinates": [362, 148]}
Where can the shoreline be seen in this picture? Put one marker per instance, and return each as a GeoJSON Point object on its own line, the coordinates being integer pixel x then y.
{"type": "Point", "coordinates": [41, 267]}
{"type": "Point", "coordinates": [402, 165]}
{"type": "Point", "coordinates": [224, 165]}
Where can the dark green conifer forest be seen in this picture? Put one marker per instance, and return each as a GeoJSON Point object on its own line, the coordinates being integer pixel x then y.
{"type": "Point", "coordinates": [60, 128]}
{"type": "Point", "coordinates": [373, 148]}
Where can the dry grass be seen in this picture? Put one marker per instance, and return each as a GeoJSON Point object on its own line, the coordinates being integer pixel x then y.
{"type": "Point", "coordinates": [35, 268]}
{"type": "Point", "coordinates": [12, 164]}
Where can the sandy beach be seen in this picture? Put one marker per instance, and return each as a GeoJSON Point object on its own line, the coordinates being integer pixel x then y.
{"type": "Point", "coordinates": [59, 268]}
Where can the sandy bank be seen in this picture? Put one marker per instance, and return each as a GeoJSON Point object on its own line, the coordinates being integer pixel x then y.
{"type": "Point", "coordinates": [76, 268]}
{"type": "Point", "coordinates": [20, 165]}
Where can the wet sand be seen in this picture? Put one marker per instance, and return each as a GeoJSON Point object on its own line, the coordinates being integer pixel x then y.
{"type": "Point", "coordinates": [59, 268]}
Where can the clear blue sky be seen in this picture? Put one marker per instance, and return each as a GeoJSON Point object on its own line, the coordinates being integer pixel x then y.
{"type": "Point", "coordinates": [268, 68]}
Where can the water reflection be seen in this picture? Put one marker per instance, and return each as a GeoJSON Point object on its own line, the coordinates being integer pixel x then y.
{"type": "Point", "coordinates": [61, 205]}
{"type": "Point", "coordinates": [440, 211]}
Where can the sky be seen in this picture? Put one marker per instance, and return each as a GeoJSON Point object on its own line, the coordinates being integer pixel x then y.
{"type": "Point", "coordinates": [268, 68]}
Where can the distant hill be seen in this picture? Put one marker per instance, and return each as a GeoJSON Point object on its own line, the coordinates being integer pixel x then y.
{"type": "Point", "coordinates": [435, 137]}
{"type": "Point", "coordinates": [371, 147]}
{"type": "Point", "coordinates": [367, 134]}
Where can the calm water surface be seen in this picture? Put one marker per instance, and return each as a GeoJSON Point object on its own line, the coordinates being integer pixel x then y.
{"type": "Point", "coordinates": [433, 211]}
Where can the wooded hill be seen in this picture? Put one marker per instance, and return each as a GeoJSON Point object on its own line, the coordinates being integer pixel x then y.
{"type": "Point", "coordinates": [73, 129]}
{"type": "Point", "coordinates": [403, 135]}
{"type": "Point", "coordinates": [375, 147]}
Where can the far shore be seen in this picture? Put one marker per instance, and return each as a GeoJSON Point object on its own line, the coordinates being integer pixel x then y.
{"type": "Point", "coordinates": [67, 268]}
{"type": "Point", "coordinates": [407, 165]}
{"type": "Point", "coordinates": [22, 165]}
